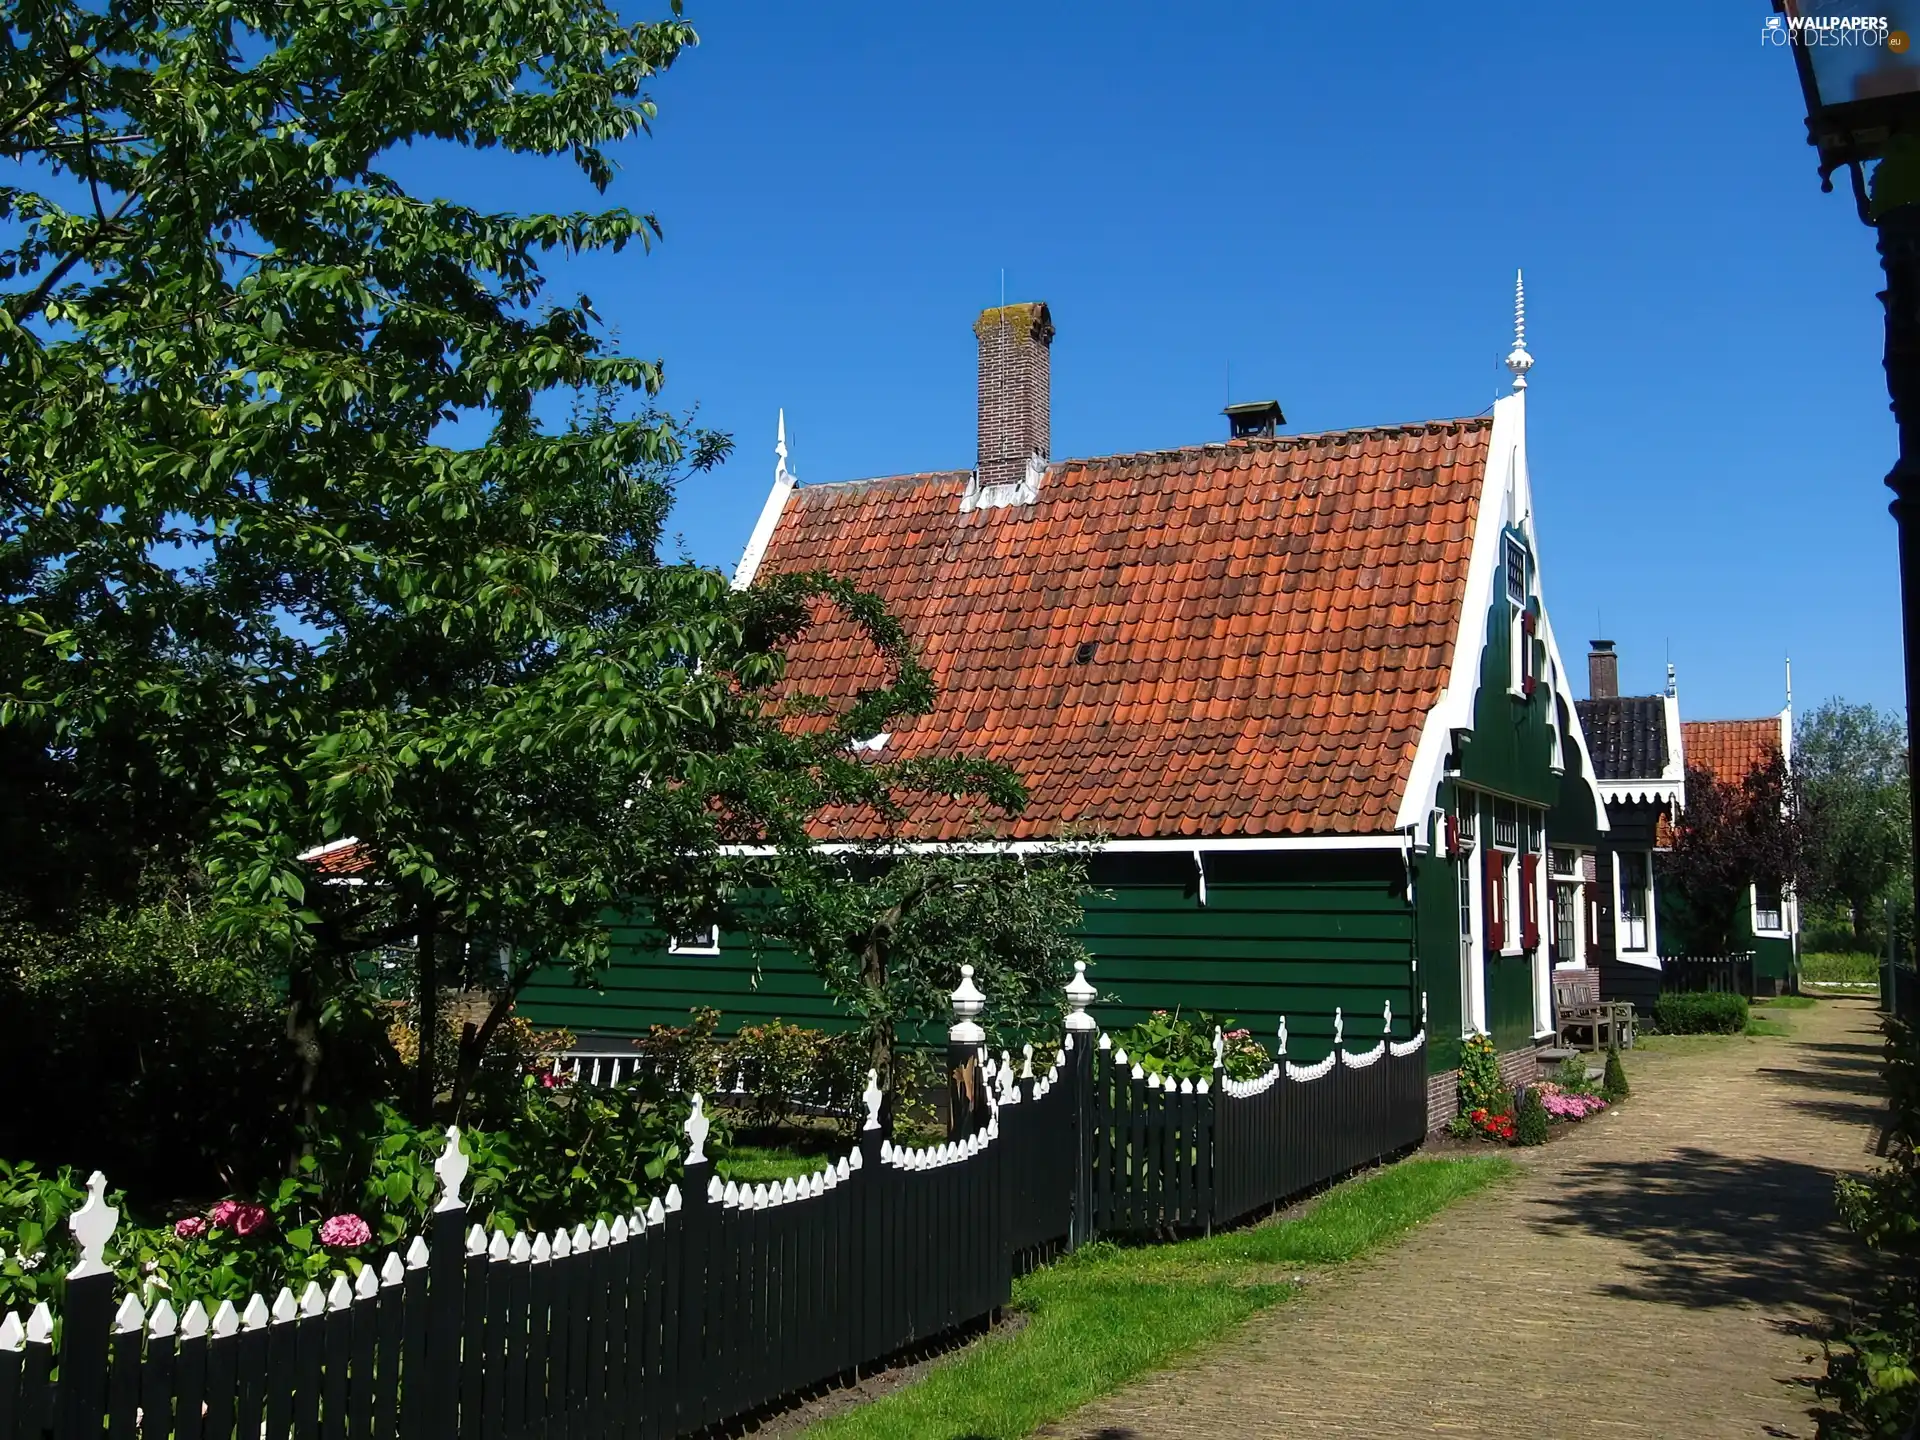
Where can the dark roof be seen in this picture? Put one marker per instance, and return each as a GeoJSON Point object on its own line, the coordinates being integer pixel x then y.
{"type": "Point", "coordinates": [1272, 619]}
{"type": "Point", "coordinates": [1626, 735]}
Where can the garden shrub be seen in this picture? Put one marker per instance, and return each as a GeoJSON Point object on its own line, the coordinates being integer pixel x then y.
{"type": "Point", "coordinates": [1530, 1120]}
{"type": "Point", "coordinates": [1701, 1014]}
{"type": "Point", "coordinates": [1480, 1084]}
{"type": "Point", "coordinates": [1571, 1077]}
{"type": "Point", "coordinates": [1179, 1046]}
{"type": "Point", "coordinates": [1613, 1085]}
{"type": "Point", "coordinates": [1871, 1374]}
{"type": "Point", "coordinates": [149, 1056]}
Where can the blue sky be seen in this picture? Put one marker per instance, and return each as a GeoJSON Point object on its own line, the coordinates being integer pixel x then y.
{"type": "Point", "coordinates": [1328, 205]}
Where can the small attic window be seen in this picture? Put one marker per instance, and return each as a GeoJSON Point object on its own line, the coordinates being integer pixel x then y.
{"type": "Point", "coordinates": [1516, 571]}
{"type": "Point", "coordinates": [1088, 652]}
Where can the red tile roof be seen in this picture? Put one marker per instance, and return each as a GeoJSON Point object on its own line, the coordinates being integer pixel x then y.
{"type": "Point", "coordinates": [1273, 620]}
{"type": "Point", "coordinates": [340, 858]}
{"type": "Point", "coordinates": [1730, 748]}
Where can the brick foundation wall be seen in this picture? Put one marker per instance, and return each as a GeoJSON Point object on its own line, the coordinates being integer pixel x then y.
{"type": "Point", "coordinates": [1443, 1090]}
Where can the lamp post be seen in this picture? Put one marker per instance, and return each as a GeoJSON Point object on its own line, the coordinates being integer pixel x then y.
{"type": "Point", "coordinates": [1860, 77]}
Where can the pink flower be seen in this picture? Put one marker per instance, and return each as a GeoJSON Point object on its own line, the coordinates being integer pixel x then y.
{"type": "Point", "coordinates": [222, 1214]}
{"type": "Point", "coordinates": [192, 1227]}
{"type": "Point", "coordinates": [246, 1218]}
{"type": "Point", "coordinates": [345, 1232]}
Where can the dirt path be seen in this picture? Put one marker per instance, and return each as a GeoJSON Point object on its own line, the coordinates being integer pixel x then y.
{"type": "Point", "coordinates": [1659, 1272]}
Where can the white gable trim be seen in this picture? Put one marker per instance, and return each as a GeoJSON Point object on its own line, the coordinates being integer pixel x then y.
{"type": "Point", "coordinates": [762, 536]}
{"type": "Point", "coordinates": [1510, 504]}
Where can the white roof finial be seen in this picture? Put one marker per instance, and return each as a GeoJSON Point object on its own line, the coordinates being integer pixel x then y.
{"type": "Point", "coordinates": [1519, 362]}
{"type": "Point", "coordinates": [780, 471]}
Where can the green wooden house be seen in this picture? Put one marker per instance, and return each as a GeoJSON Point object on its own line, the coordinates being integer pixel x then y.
{"type": "Point", "coordinates": [1303, 689]}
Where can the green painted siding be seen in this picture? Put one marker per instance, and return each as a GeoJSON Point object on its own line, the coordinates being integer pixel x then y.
{"type": "Point", "coordinates": [1280, 934]}
{"type": "Point", "coordinates": [643, 985]}
{"type": "Point", "coordinates": [1437, 891]}
{"type": "Point", "coordinates": [1512, 747]}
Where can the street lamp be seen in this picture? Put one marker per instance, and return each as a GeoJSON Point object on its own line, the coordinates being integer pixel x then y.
{"type": "Point", "coordinates": [1860, 76]}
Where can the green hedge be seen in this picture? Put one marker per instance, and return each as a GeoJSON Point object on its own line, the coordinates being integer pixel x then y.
{"type": "Point", "coordinates": [1701, 1014]}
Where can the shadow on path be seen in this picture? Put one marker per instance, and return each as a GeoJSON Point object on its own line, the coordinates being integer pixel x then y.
{"type": "Point", "coordinates": [1712, 1229]}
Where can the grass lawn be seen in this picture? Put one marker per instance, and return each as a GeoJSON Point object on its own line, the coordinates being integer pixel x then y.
{"type": "Point", "coordinates": [1831, 965]}
{"type": "Point", "coordinates": [1108, 1313]}
{"type": "Point", "coordinates": [1767, 1025]}
{"type": "Point", "coordinates": [1788, 1002]}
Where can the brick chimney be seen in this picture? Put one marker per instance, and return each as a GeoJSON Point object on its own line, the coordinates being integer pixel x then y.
{"type": "Point", "coordinates": [1603, 671]}
{"type": "Point", "coordinates": [1015, 409]}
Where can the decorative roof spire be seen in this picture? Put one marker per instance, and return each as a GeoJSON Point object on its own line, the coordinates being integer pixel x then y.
{"type": "Point", "coordinates": [1519, 362]}
{"type": "Point", "coordinates": [781, 475]}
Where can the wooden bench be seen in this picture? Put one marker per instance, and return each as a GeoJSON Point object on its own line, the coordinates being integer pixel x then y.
{"type": "Point", "coordinates": [1582, 1019]}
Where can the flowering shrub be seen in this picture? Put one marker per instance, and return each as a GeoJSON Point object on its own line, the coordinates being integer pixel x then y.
{"type": "Point", "coordinates": [1490, 1124]}
{"type": "Point", "coordinates": [190, 1228]}
{"type": "Point", "coordinates": [345, 1232]}
{"type": "Point", "coordinates": [1480, 1087]}
{"type": "Point", "coordinates": [1564, 1104]}
{"type": "Point", "coordinates": [1180, 1047]}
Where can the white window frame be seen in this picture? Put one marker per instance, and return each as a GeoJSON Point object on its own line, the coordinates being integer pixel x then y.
{"type": "Point", "coordinates": [1473, 1007]}
{"type": "Point", "coordinates": [1779, 926]}
{"type": "Point", "coordinates": [1650, 953]}
{"type": "Point", "coordinates": [705, 941]}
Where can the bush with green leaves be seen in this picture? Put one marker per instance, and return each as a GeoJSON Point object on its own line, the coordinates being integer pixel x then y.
{"type": "Point", "coordinates": [172, 1062]}
{"type": "Point", "coordinates": [1530, 1119]}
{"type": "Point", "coordinates": [1613, 1084]}
{"type": "Point", "coordinates": [1178, 1045]}
{"type": "Point", "coordinates": [1571, 1076]}
{"type": "Point", "coordinates": [1700, 1014]}
{"type": "Point", "coordinates": [1872, 1382]}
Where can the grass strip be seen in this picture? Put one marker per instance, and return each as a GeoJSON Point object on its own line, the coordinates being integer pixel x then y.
{"type": "Point", "coordinates": [1790, 1002]}
{"type": "Point", "coordinates": [1107, 1314]}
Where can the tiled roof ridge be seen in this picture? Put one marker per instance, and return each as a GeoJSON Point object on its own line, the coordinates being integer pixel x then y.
{"type": "Point", "coordinates": [1772, 719]}
{"type": "Point", "coordinates": [1179, 452]}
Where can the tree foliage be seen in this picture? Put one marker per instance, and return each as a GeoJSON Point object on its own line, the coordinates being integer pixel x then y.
{"type": "Point", "coordinates": [1850, 768]}
{"type": "Point", "coordinates": [888, 929]}
{"type": "Point", "coordinates": [1730, 837]}
{"type": "Point", "coordinates": [294, 545]}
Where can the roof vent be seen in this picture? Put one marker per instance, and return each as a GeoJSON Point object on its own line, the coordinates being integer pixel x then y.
{"type": "Point", "coordinates": [1254, 418]}
{"type": "Point", "coordinates": [1088, 650]}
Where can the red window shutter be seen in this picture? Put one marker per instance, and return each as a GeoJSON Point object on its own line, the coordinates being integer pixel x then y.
{"type": "Point", "coordinates": [1496, 906]}
{"type": "Point", "coordinates": [1529, 900]}
{"type": "Point", "coordinates": [1453, 835]}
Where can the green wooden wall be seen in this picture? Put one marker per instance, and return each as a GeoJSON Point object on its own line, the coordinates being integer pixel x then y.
{"type": "Point", "coordinates": [1436, 889]}
{"type": "Point", "coordinates": [1281, 934]}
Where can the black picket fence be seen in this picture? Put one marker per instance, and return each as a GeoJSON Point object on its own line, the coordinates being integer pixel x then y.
{"type": "Point", "coordinates": [1723, 974]}
{"type": "Point", "coordinates": [713, 1305]}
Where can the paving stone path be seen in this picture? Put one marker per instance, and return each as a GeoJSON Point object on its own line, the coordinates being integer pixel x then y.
{"type": "Point", "coordinates": [1661, 1271]}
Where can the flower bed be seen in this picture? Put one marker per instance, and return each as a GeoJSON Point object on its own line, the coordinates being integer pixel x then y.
{"type": "Point", "coordinates": [1564, 1104]}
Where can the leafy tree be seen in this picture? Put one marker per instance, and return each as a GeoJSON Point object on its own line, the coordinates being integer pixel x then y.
{"type": "Point", "coordinates": [1732, 836]}
{"type": "Point", "coordinates": [289, 549]}
{"type": "Point", "coordinates": [1850, 767]}
{"type": "Point", "coordinates": [888, 930]}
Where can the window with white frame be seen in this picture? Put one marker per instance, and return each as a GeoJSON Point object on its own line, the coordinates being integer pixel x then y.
{"type": "Point", "coordinates": [1636, 884]}
{"type": "Point", "coordinates": [703, 941]}
{"type": "Point", "coordinates": [1769, 907]}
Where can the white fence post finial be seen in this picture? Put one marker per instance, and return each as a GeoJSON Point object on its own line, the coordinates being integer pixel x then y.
{"type": "Point", "coordinates": [451, 1167]}
{"type": "Point", "coordinates": [1283, 1037]}
{"type": "Point", "coordinates": [1219, 1049]}
{"type": "Point", "coordinates": [1423, 1010]}
{"type": "Point", "coordinates": [92, 1225]}
{"type": "Point", "coordinates": [1339, 1028]}
{"type": "Point", "coordinates": [968, 1002]}
{"type": "Point", "coordinates": [1386, 1019]}
{"type": "Point", "coordinates": [696, 1127]}
{"type": "Point", "coordinates": [872, 1096]}
{"type": "Point", "coordinates": [1080, 995]}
